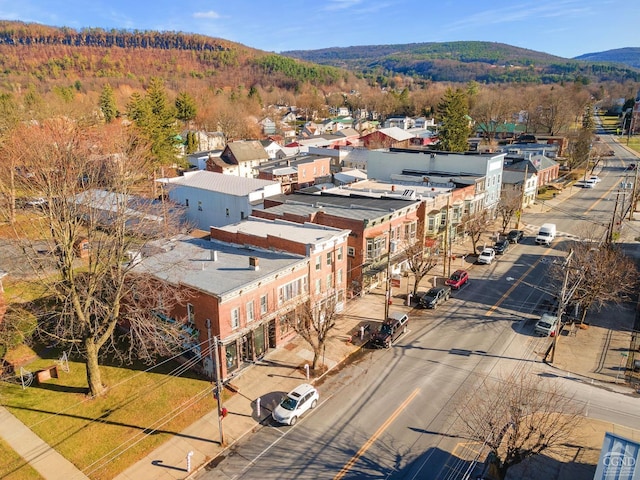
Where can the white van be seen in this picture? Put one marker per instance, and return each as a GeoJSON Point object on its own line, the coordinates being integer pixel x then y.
{"type": "Point", "coordinates": [546, 326]}
{"type": "Point", "coordinates": [546, 234]}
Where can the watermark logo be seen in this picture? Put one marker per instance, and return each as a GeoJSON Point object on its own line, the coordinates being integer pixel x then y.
{"type": "Point", "coordinates": [617, 463]}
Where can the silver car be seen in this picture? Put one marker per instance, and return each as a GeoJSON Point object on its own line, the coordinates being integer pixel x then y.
{"type": "Point", "coordinates": [302, 398]}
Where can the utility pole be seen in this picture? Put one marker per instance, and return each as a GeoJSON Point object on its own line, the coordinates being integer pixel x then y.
{"type": "Point", "coordinates": [523, 196]}
{"type": "Point", "coordinates": [609, 239]}
{"type": "Point", "coordinates": [387, 295]}
{"type": "Point", "coordinates": [447, 252]}
{"type": "Point", "coordinates": [215, 363]}
{"type": "Point", "coordinates": [632, 207]}
{"type": "Point", "coordinates": [563, 302]}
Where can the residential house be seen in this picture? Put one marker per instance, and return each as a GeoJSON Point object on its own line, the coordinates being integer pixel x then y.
{"type": "Point", "coordinates": [207, 141]}
{"type": "Point", "coordinates": [215, 199]}
{"type": "Point", "coordinates": [513, 183]}
{"type": "Point", "coordinates": [378, 226]}
{"type": "Point", "coordinates": [199, 159]}
{"type": "Point", "coordinates": [546, 170]}
{"type": "Point", "coordinates": [424, 123]}
{"type": "Point", "coordinates": [387, 138]}
{"type": "Point", "coordinates": [240, 158]}
{"type": "Point", "coordinates": [404, 123]}
{"type": "Point", "coordinates": [298, 172]}
{"type": "Point", "coordinates": [268, 126]}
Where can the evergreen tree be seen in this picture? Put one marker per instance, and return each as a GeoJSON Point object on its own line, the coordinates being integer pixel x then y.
{"type": "Point", "coordinates": [108, 104]}
{"type": "Point", "coordinates": [453, 111]}
{"type": "Point", "coordinates": [156, 119]}
{"type": "Point", "coordinates": [185, 107]}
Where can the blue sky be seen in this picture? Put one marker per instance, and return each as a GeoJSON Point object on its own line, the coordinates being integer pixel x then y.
{"type": "Point", "coordinates": [566, 28]}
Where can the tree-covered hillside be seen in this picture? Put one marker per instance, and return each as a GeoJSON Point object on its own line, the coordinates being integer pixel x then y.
{"type": "Point", "coordinates": [628, 56]}
{"type": "Point", "coordinates": [464, 61]}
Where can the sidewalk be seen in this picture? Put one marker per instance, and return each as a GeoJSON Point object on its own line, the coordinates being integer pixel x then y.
{"type": "Point", "coordinates": [591, 354]}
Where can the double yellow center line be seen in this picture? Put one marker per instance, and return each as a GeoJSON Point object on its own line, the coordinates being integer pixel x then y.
{"type": "Point", "coordinates": [375, 436]}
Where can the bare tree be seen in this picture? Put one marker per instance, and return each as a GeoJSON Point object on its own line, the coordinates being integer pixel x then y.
{"type": "Point", "coordinates": [509, 205]}
{"type": "Point", "coordinates": [420, 262]}
{"type": "Point", "coordinates": [592, 270]}
{"type": "Point", "coordinates": [517, 417]}
{"type": "Point", "coordinates": [313, 321]}
{"type": "Point", "coordinates": [475, 225]}
{"type": "Point", "coordinates": [491, 109]}
{"type": "Point", "coordinates": [93, 228]}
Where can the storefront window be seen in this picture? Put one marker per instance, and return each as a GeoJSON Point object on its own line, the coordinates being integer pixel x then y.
{"type": "Point", "coordinates": [258, 341]}
{"type": "Point", "coordinates": [231, 352]}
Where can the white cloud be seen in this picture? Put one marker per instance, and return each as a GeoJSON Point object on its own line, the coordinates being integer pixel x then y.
{"type": "Point", "coordinates": [209, 15]}
{"type": "Point", "coordinates": [341, 4]}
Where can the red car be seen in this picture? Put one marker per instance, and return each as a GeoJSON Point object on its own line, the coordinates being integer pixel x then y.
{"type": "Point", "coordinates": [458, 279]}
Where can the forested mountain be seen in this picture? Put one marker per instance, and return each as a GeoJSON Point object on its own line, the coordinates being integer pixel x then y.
{"type": "Point", "coordinates": [39, 52]}
{"type": "Point", "coordinates": [464, 61]}
{"type": "Point", "coordinates": [627, 56]}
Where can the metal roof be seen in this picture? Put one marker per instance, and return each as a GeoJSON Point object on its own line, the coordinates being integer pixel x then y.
{"type": "Point", "coordinates": [218, 182]}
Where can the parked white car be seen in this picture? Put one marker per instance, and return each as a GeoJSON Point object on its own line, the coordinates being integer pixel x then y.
{"type": "Point", "coordinates": [302, 398]}
{"type": "Point", "coordinates": [487, 256]}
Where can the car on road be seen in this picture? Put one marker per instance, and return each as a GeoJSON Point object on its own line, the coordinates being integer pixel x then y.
{"type": "Point", "coordinates": [501, 246]}
{"type": "Point", "coordinates": [435, 296]}
{"type": "Point", "coordinates": [632, 166]}
{"type": "Point", "coordinates": [302, 398]}
{"type": "Point", "coordinates": [594, 178]}
{"type": "Point", "coordinates": [546, 326]}
{"type": "Point", "coordinates": [390, 330]}
{"type": "Point", "coordinates": [458, 279]}
{"type": "Point", "coordinates": [515, 236]}
{"type": "Point", "coordinates": [487, 256]}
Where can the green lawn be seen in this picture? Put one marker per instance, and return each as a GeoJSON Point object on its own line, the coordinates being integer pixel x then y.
{"type": "Point", "coordinates": [104, 436]}
{"type": "Point", "coordinates": [13, 466]}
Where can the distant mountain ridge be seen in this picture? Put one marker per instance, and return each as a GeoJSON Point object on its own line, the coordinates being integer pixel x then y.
{"type": "Point", "coordinates": [627, 56]}
{"type": "Point", "coordinates": [464, 61]}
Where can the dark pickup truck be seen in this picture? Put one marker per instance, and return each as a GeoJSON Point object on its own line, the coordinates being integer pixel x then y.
{"type": "Point", "coordinates": [390, 330]}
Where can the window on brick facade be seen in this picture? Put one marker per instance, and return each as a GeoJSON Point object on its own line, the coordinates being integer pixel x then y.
{"type": "Point", "coordinates": [328, 258]}
{"type": "Point", "coordinates": [339, 279]}
{"type": "Point", "coordinates": [235, 318]}
{"type": "Point", "coordinates": [250, 314]}
{"type": "Point", "coordinates": [376, 247]}
{"type": "Point", "coordinates": [329, 281]}
{"type": "Point", "coordinates": [351, 251]}
{"type": "Point", "coordinates": [292, 289]}
{"type": "Point", "coordinates": [318, 286]}
{"type": "Point", "coordinates": [340, 253]}
{"type": "Point", "coordinates": [318, 262]}
{"type": "Point", "coordinates": [264, 306]}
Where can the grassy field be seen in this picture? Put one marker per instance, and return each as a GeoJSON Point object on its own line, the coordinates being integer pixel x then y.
{"type": "Point", "coordinates": [13, 467]}
{"type": "Point", "coordinates": [104, 436]}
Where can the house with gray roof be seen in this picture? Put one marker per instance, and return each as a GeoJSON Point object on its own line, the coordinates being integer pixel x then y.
{"type": "Point", "coordinates": [240, 158]}
{"type": "Point", "coordinates": [215, 199]}
{"type": "Point", "coordinates": [513, 184]}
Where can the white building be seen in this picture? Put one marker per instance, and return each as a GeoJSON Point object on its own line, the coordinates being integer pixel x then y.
{"type": "Point", "coordinates": [215, 199]}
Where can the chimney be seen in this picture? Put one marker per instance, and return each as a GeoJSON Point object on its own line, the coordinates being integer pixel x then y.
{"type": "Point", "coordinates": [254, 263]}
{"type": "Point", "coordinates": [214, 255]}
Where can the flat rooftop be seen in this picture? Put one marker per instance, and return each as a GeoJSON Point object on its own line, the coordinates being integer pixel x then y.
{"type": "Point", "coordinates": [188, 261]}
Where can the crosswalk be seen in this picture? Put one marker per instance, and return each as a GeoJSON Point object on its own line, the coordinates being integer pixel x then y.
{"type": "Point", "coordinates": [532, 230]}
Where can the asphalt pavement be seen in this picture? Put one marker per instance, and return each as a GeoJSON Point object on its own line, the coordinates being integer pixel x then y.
{"type": "Point", "coordinates": [592, 354]}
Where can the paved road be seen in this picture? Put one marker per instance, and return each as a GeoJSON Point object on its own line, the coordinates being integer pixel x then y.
{"type": "Point", "coordinates": [390, 413]}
